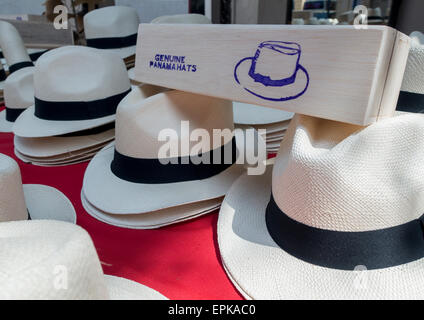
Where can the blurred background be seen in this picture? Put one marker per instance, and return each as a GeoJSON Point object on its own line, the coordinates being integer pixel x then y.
{"type": "Point", "coordinates": [405, 15]}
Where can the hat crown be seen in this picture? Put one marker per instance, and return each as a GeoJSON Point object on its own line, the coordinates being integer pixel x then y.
{"type": "Point", "coordinates": [187, 18]}
{"type": "Point", "coordinates": [11, 43]}
{"type": "Point", "coordinates": [19, 89]}
{"type": "Point", "coordinates": [413, 78]}
{"type": "Point", "coordinates": [139, 121]}
{"type": "Point", "coordinates": [48, 260]}
{"type": "Point", "coordinates": [110, 22]}
{"type": "Point", "coordinates": [79, 74]}
{"type": "Point", "coordinates": [343, 177]}
{"type": "Point", "coordinates": [12, 200]}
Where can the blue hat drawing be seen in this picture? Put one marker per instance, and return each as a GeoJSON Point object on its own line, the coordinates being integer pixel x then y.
{"type": "Point", "coordinates": [274, 73]}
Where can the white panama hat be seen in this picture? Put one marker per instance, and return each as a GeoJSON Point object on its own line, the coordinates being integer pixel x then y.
{"type": "Point", "coordinates": [343, 196]}
{"type": "Point", "coordinates": [13, 48]}
{"type": "Point", "coordinates": [18, 95]}
{"type": "Point", "coordinates": [112, 28]}
{"type": "Point", "coordinates": [76, 88]}
{"type": "Point", "coordinates": [128, 177]}
{"type": "Point", "coordinates": [52, 260]}
{"type": "Point", "coordinates": [411, 97]}
{"type": "Point", "coordinates": [249, 114]}
{"type": "Point", "coordinates": [29, 201]}
{"type": "Point", "coordinates": [186, 18]}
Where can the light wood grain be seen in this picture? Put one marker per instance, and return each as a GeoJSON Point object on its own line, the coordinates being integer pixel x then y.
{"type": "Point", "coordinates": [37, 34]}
{"type": "Point", "coordinates": [348, 68]}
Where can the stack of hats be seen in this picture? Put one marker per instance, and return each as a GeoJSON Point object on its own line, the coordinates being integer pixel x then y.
{"type": "Point", "coordinates": [190, 18]}
{"type": "Point", "coordinates": [411, 97]}
{"type": "Point", "coordinates": [18, 95]}
{"type": "Point", "coordinates": [138, 183]}
{"type": "Point", "coordinates": [74, 109]}
{"type": "Point", "coordinates": [270, 123]}
{"type": "Point", "coordinates": [113, 29]}
{"type": "Point", "coordinates": [338, 216]}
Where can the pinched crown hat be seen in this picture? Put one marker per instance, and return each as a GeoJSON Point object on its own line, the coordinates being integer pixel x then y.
{"type": "Point", "coordinates": [44, 260]}
{"type": "Point", "coordinates": [18, 95]}
{"type": "Point", "coordinates": [339, 216]}
{"type": "Point", "coordinates": [132, 176]}
{"type": "Point", "coordinates": [113, 28]}
{"type": "Point", "coordinates": [76, 88]}
{"type": "Point", "coordinates": [29, 201]}
{"type": "Point", "coordinates": [13, 48]}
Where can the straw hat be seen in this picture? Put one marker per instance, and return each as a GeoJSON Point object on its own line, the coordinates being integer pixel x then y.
{"type": "Point", "coordinates": [18, 95]}
{"type": "Point", "coordinates": [344, 199]}
{"type": "Point", "coordinates": [82, 93]}
{"type": "Point", "coordinates": [45, 260]}
{"type": "Point", "coordinates": [13, 48]}
{"type": "Point", "coordinates": [29, 201]}
{"type": "Point", "coordinates": [187, 18]}
{"type": "Point", "coordinates": [113, 28]}
{"type": "Point", "coordinates": [129, 178]}
{"type": "Point", "coordinates": [411, 97]}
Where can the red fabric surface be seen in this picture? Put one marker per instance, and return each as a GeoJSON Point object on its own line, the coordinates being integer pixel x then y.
{"type": "Point", "coordinates": [180, 261]}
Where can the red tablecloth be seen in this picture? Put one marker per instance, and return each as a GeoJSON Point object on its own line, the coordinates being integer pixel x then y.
{"type": "Point", "coordinates": [181, 261]}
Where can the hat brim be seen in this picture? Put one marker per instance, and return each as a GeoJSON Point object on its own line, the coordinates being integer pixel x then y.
{"type": "Point", "coordinates": [111, 194]}
{"type": "Point", "coordinates": [123, 52]}
{"type": "Point", "coordinates": [155, 219]}
{"type": "Point", "coordinates": [65, 146]}
{"type": "Point", "coordinates": [271, 273]}
{"type": "Point", "coordinates": [270, 93]}
{"type": "Point", "coordinates": [54, 163]}
{"type": "Point", "coordinates": [29, 126]}
{"type": "Point", "coordinates": [249, 114]}
{"type": "Point", "coordinates": [44, 202]}
{"type": "Point", "coordinates": [124, 289]}
{"type": "Point", "coordinates": [5, 126]}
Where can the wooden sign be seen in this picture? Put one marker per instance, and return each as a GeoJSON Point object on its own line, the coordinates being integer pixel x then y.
{"type": "Point", "coordinates": [37, 34]}
{"type": "Point", "coordinates": [338, 73]}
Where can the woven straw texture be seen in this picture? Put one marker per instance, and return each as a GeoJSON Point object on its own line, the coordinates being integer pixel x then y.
{"type": "Point", "coordinates": [333, 176]}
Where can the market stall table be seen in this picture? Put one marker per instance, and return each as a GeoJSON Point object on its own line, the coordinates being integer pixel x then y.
{"type": "Point", "coordinates": [181, 261]}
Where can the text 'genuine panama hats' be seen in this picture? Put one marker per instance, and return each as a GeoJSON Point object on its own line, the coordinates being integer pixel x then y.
{"type": "Point", "coordinates": [344, 220]}
{"type": "Point", "coordinates": [29, 201]}
{"type": "Point", "coordinates": [76, 88]}
{"type": "Point", "coordinates": [18, 95]}
{"type": "Point", "coordinates": [190, 18]}
{"type": "Point", "coordinates": [129, 178]}
{"type": "Point", "coordinates": [52, 260]}
{"type": "Point", "coordinates": [13, 48]}
{"type": "Point", "coordinates": [113, 28]}
{"type": "Point", "coordinates": [411, 97]}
